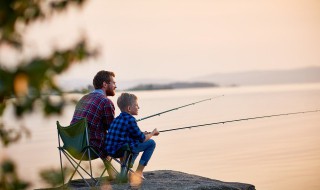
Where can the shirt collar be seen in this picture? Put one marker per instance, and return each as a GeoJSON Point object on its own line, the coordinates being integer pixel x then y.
{"type": "Point", "coordinates": [100, 91]}
{"type": "Point", "coordinates": [126, 114]}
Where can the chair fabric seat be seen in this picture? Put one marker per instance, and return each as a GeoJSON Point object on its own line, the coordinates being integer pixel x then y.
{"type": "Point", "coordinates": [75, 141]}
{"type": "Point", "coordinates": [121, 151]}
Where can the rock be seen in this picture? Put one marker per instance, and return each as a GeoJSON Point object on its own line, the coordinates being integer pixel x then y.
{"type": "Point", "coordinates": [173, 180]}
{"type": "Point", "coordinates": [168, 180]}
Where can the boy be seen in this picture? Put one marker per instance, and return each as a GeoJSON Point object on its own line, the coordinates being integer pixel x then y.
{"type": "Point", "coordinates": [124, 130]}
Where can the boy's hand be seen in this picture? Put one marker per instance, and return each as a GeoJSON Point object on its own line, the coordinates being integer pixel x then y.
{"type": "Point", "coordinates": [155, 132]}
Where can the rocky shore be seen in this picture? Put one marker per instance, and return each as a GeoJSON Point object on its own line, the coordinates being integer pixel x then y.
{"type": "Point", "coordinates": [168, 180]}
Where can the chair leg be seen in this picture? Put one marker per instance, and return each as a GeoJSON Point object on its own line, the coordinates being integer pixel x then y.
{"type": "Point", "coordinates": [62, 174]}
{"type": "Point", "coordinates": [125, 166]}
{"type": "Point", "coordinates": [107, 165]}
{"type": "Point", "coordinates": [76, 166]}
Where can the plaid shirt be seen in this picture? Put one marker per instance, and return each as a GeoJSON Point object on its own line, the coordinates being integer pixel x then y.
{"type": "Point", "coordinates": [123, 130]}
{"type": "Point", "coordinates": [99, 111]}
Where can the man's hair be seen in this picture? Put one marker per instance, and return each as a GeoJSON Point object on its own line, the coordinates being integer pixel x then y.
{"type": "Point", "coordinates": [102, 76]}
{"type": "Point", "coordinates": [125, 100]}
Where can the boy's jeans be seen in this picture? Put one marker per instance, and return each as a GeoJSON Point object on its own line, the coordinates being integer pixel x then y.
{"type": "Point", "coordinates": [147, 148]}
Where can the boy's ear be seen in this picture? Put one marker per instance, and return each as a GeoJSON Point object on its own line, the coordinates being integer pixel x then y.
{"type": "Point", "coordinates": [129, 108]}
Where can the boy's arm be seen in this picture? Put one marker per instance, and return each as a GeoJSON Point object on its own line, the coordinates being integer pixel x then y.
{"type": "Point", "coordinates": [148, 135]}
{"type": "Point", "coordinates": [134, 131]}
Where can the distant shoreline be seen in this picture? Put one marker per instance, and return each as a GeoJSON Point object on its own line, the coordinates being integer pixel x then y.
{"type": "Point", "coordinates": [170, 86]}
{"type": "Point", "coordinates": [244, 78]}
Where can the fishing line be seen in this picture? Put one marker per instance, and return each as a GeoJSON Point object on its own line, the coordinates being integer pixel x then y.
{"type": "Point", "coordinates": [173, 109]}
{"type": "Point", "coordinates": [236, 120]}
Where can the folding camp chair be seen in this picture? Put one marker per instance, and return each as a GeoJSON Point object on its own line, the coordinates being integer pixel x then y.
{"type": "Point", "coordinates": [76, 146]}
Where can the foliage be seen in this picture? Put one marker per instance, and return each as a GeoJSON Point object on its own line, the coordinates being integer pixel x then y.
{"type": "Point", "coordinates": [8, 135]}
{"type": "Point", "coordinates": [31, 82]}
{"type": "Point", "coordinates": [9, 179]}
{"type": "Point", "coordinates": [53, 177]}
{"type": "Point", "coordinates": [34, 77]}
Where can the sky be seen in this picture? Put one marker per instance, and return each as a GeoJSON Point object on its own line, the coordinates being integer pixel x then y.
{"type": "Point", "coordinates": [183, 39]}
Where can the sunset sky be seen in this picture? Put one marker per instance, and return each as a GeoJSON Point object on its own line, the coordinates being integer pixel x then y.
{"type": "Point", "coordinates": [181, 39]}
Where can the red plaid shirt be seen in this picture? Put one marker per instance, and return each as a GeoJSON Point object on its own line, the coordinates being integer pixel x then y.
{"type": "Point", "coordinates": [99, 111]}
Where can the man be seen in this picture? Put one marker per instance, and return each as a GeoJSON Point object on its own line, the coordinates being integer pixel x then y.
{"type": "Point", "coordinates": [98, 109]}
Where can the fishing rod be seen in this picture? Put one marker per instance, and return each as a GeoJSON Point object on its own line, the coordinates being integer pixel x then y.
{"type": "Point", "coordinates": [173, 109]}
{"type": "Point", "coordinates": [236, 120]}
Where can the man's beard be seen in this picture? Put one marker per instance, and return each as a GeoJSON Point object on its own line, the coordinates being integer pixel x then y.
{"type": "Point", "coordinates": [110, 92]}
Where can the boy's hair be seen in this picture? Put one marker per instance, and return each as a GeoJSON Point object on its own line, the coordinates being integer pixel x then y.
{"type": "Point", "coordinates": [102, 76]}
{"type": "Point", "coordinates": [125, 100]}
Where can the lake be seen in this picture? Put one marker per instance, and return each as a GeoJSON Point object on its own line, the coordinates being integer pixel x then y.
{"type": "Point", "coordinates": [272, 153]}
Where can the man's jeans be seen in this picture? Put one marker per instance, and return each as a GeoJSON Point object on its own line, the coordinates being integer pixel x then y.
{"type": "Point", "coordinates": [147, 148]}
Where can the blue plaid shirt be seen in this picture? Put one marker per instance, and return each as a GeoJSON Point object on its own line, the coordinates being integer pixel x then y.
{"type": "Point", "coordinates": [123, 130]}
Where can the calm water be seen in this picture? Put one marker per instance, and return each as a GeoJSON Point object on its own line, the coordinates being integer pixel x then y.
{"type": "Point", "coordinates": [273, 153]}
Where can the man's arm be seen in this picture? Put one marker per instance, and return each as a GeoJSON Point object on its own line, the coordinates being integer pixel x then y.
{"type": "Point", "coordinates": [109, 113]}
